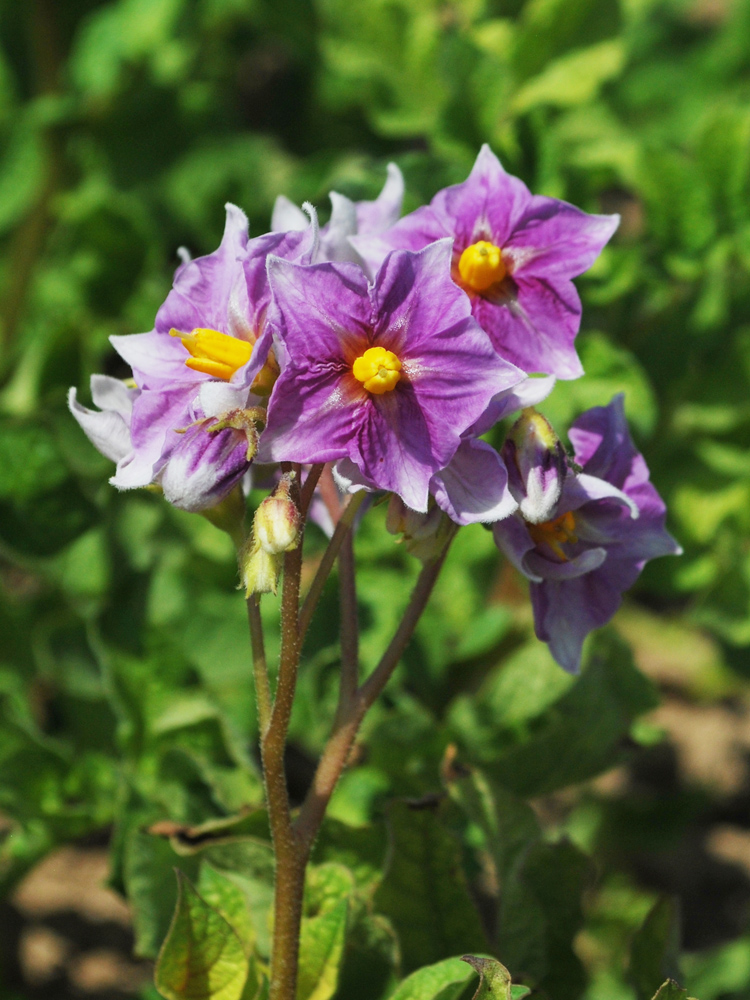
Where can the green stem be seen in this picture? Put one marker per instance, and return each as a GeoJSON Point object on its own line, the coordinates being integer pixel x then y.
{"type": "Point", "coordinates": [337, 750]}
{"type": "Point", "coordinates": [260, 666]}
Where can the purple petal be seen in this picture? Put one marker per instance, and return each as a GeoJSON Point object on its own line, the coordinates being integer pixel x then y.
{"type": "Point", "coordinates": [538, 565]}
{"type": "Point", "coordinates": [555, 239]}
{"type": "Point", "coordinates": [581, 488]}
{"type": "Point", "coordinates": [317, 310]}
{"type": "Point", "coordinates": [203, 286]}
{"type": "Point", "coordinates": [376, 216]}
{"type": "Point", "coordinates": [157, 416]}
{"type": "Point", "coordinates": [536, 327]}
{"type": "Point", "coordinates": [349, 478]}
{"type": "Point", "coordinates": [310, 418]}
{"type": "Point", "coordinates": [566, 611]}
{"type": "Point", "coordinates": [397, 449]}
{"type": "Point", "coordinates": [474, 486]}
{"type": "Point", "coordinates": [204, 467]}
{"type": "Point", "coordinates": [157, 360]}
{"type": "Point", "coordinates": [488, 205]}
{"type": "Point", "coordinates": [514, 541]}
{"type": "Point", "coordinates": [529, 392]}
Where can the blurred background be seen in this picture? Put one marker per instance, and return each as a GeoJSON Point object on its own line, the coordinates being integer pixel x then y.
{"type": "Point", "coordinates": [125, 682]}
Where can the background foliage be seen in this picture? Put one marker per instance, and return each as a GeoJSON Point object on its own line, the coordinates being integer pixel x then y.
{"type": "Point", "coordinates": [125, 681]}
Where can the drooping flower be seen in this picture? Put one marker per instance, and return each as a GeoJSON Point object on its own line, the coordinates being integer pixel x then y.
{"type": "Point", "coordinates": [387, 375]}
{"type": "Point", "coordinates": [514, 254]}
{"type": "Point", "coordinates": [348, 218]}
{"type": "Point", "coordinates": [202, 373]}
{"type": "Point", "coordinates": [607, 523]}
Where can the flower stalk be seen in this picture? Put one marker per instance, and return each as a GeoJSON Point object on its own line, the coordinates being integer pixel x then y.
{"type": "Point", "coordinates": [293, 838]}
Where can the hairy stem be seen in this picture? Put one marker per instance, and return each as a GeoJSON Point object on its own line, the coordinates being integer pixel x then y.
{"type": "Point", "coordinates": [326, 563]}
{"type": "Point", "coordinates": [337, 750]}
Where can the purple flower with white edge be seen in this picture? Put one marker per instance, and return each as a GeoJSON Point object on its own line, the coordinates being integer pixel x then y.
{"type": "Point", "coordinates": [514, 254]}
{"type": "Point", "coordinates": [348, 218]}
{"type": "Point", "coordinates": [475, 486]}
{"type": "Point", "coordinates": [608, 522]}
{"type": "Point", "coordinates": [388, 374]}
{"type": "Point", "coordinates": [203, 371]}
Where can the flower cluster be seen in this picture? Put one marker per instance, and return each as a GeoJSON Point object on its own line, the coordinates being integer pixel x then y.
{"type": "Point", "coordinates": [389, 347]}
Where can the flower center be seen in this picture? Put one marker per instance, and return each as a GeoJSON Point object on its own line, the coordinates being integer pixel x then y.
{"type": "Point", "coordinates": [214, 353]}
{"type": "Point", "coordinates": [481, 266]}
{"type": "Point", "coordinates": [555, 533]}
{"type": "Point", "coordinates": [378, 370]}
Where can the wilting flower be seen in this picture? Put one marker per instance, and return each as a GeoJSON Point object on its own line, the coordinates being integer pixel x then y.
{"type": "Point", "coordinates": [514, 254]}
{"type": "Point", "coordinates": [201, 374]}
{"type": "Point", "coordinates": [608, 522]}
{"type": "Point", "coordinates": [348, 218]}
{"type": "Point", "coordinates": [387, 375]}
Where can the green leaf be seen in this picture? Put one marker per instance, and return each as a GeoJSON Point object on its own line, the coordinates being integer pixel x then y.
{"type": "Point", "coordinates": [655, 949]}
{"type": "Point", "coordinates": [424, 892]}
{"type": "Point", "coordinates": [580, 736]}
{"type": "Point", "coordinates": [202, 958]}
{"type": "Point", "coordinates": [444, 980]}
{"type": "Point", "coordinates": [224, 896]}
{"type": "Point", "coordinates": [149, 880]}
{"type": "Point", "coordinates": [572, 79]}
{"type": "Point", "coordinates": [494, 979]}
{"type": "Point", "coordinates": [670, 991]}
{"type": "Point", "coordinates": [321, 953]}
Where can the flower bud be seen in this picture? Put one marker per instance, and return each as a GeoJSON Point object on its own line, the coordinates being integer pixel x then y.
{"type": "Point", "coordinates": [424, 535]}
{"type": "Point", "coordinates": [259, 570]}
{"type": "Point", "coordinates": [277, 522]}
{"type": "Point", "coordinates": [536, 465]}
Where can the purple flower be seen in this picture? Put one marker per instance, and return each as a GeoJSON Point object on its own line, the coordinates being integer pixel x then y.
{"type": "Point", "coordinates": [608, 522]}
{"type": "Point", "coordinates": [475, 487]}
{"type": "Point", "coordinates": [387, 375]}
{"type": "Point", "coordinates": [514, 254]}
{"type": "Point", "coordinates": [348, 218]}
{"type": "Point", "coordinates": [201, 373]}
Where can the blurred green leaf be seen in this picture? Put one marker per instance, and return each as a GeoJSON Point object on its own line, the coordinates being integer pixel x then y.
{"type": "Point", "coordinates": [654, 952]}
{"type": "Point", "coordinates": [424, 891]}
{"type": "Point", "coordinates": [444, 980]}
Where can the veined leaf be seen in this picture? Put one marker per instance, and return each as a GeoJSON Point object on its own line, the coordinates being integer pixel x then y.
{"type": "Point", "coordinates": [202, 957]}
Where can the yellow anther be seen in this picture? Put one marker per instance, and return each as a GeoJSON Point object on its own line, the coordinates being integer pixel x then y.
{"type": "Point", "coordinates": [214, 353]}
{"type": "Point", "coordinates": [378, 370]}
{"type": "Point", "coordinates": [556, 533]}
{"type": "Point", "coordinates": [481, 266]}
